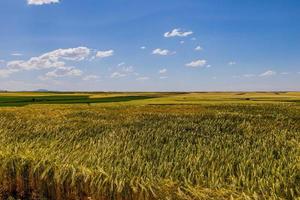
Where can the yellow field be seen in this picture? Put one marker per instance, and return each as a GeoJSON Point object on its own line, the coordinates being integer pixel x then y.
{"type": "Point", "coordinates": [142, 146]}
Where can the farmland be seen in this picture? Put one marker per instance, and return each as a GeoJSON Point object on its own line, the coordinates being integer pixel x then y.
{"type": "Point", "coordinates": [141, 146]}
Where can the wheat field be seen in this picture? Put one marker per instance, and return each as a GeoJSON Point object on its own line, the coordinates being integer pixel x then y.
{"type": "Point", "coordinates": [163, 146]}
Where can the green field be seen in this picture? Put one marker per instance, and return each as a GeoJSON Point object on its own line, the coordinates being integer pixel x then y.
{"type": "Point", "coordinates": [146, 146]}
{"type": "Point", "coordinates": [63, 99]}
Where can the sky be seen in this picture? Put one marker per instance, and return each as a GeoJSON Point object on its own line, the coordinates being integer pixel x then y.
{"type": "Point", "coordinates": [134, 45]}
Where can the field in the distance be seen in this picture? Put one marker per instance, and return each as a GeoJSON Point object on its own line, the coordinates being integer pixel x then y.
{"type": "Point", "coordinates": [144, 146]}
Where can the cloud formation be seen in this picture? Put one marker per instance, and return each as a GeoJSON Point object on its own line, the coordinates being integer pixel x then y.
{"type": "Point", "coordinates": [162, 52]}
{"type": "Point", "coordinates": [268, 73]}
{"type": "Point", "coordinates": [16, 54]}
{"type": "Point", "coordinates": [232, 63]}
{"type": "Point", "coordinates": [53, 59]}
{"type": "Point", "coordinates": [64, 71]}
{"type": "Point", "coordinates": [177, 33]}
{"type": "Point", "coordinates": [104, 54]}
{"type": "Point", "coordinates": [265, 74]}
{"type": "Point", "coordinates": [41, 2]}
{"type": "Point", "coordinates": [90, 77]}
{"type": "Point", "coordinates": [123, 72]}
{"type": "Point", "coordinates": [117, 75]}
{"type": "Point", "coordinates": [284, 73]}
{"type": "Point", "coordinates": [163, 77]}
{"type": "Point", "coordinates": [121, 64]}
{"type": "Point", "coordinates": [198, 48]}
{"type": "Point", "coordinates": [143, 78]}
{"type": "Point", "coordinates": [196, 63]}
{"type": "Point", "coordinates": [248, 75]}
{"type": "Point", "coordinates": [6, 72]}
{"type": "Point", "coordinates": [162, 71]}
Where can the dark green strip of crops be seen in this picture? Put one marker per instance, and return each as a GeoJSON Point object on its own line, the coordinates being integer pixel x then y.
{"type": "Point", "coordinates": [22, 101]}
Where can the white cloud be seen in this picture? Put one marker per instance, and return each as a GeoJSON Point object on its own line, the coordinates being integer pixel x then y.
{"type": "Point", "coordinates": [181, 42]}
{"type": "Point", "coordinates": [244, 76]}
{"type": "Point", "coordinates": [117, 75]}
{"type": "Point", "coordinates": [6, 72]}
{"type": "Point", "coordinates": [208, 66]}
{"type": "Point", "coordinates": [284, 73]}
{"type": "Point", "coordinates": [162, 71]}
{"type": "Point", "coordinates": [41, 2]}
{"type": "Point", "coordinates": [143, 47]}
{"type": "Point", "coordinates": [198, 48]}
{"type": "Point", "coordinates": [232, 63]}
{"type": "Point", "coordinates": [2, 61]}
{"type": "Point", "coordinates": [177, 33]}
{"type": "Point", "coordinates": [76, 54]}
{"type": "Point", "coordinates": [90, 77]}
{"type": "Point", "coordinates": [193, 39]}
{"type": "Point", "coordinates": [162, 52]}
{"type": "Point", "coordinates": [64, 71]}
{"type": "Point", "coordinates": [127, 69]}
{"type": "Point", "coordinates": [196, 63]}
{"type": "Point", "coordinates": [143, 78]}
{"type": "Point", "coordinates": [163, 77]}
{"type": "Point", "coordinates": [104, 54]}
{"type": "Point", "coordinates": [121, 64]}
{"type": "Point", "coordinates": [53, 59]}
{"type": "Point", "coordinates": [268, 73]}
{"type": "Point", "coordinates": [123, 72]}
{"type": "Point", "coordinates": [17, 54]}
{"type": "Point", "coordinates": [248, 75]}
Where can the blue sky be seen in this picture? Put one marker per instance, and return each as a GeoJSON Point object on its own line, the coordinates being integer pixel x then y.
{"type": "Point", "coordinates": [134, 45]}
